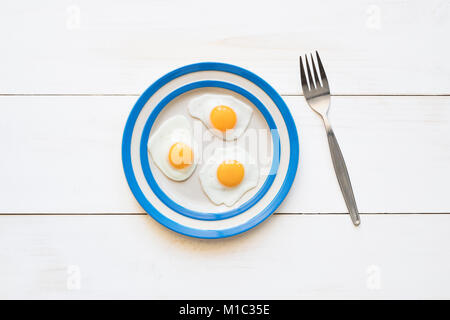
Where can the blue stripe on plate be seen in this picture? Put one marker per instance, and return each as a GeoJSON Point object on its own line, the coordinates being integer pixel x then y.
{"type": "Point", "coordinates": [208, 215]}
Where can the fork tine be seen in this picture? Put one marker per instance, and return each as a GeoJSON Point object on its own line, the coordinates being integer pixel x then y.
{"type": "Point", "coordinates": [322, 72]}
{"type": "Point", "coordinates": [316, 76]}
{"type": "Point", "coordinates": [312, 85]}
{"type": "Point", "coordinates": [303, 77]}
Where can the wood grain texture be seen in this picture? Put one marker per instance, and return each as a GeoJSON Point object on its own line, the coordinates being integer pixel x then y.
{"type": "Point", "coordinates": [63, 155]}
{"type": "Point", "coordinates": [368, 47]}
{"type": "Point", "coordinates": [71, 72]}
{"type": "Point", "coordinates": [390, 256]}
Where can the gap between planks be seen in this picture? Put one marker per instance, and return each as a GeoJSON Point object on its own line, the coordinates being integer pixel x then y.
{"type": "Point", "coordinates": [277, 213]}
{"type": "Point", "coordinates": [137, 95]}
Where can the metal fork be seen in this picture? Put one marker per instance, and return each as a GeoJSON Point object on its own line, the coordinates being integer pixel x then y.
{"type": "Point", "coordinates": [317, 94]}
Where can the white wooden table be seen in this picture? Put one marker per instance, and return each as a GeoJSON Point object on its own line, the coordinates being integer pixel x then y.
{"type": "Point", "coordinates": [71, 72]}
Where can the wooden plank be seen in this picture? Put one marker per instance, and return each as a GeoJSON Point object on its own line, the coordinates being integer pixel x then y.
{"type": "Point", "coordinates": [63, 155]}
{"type": "Point", "coordinates": [369, 47]}
{"type": "Point", "coordinates": [389, 256]}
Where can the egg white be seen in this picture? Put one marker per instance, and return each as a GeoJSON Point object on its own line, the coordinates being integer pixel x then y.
{"type": "Point", "coordinates": [219, 193]}
{"type": "Point", "coordinates": [173, 130]}
{"type": "Point", "coordinates": [202, 106]}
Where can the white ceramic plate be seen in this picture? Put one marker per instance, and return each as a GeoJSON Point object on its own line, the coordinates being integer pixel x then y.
{"type": "Point", "coordinates": [183, 206]}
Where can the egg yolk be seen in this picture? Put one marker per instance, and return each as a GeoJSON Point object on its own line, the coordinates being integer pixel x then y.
{"type": "Point", "coordinates": [230, 173]}
{"type": "Point", "coordinates": [180, 155]}
{"type": "Point", "coordinates": [223, 118]}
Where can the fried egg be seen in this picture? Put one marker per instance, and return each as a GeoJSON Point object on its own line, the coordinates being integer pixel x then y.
{"type": "Point", "coordinates": [228, 174]}
{"type": "Point", "coordinates": [172, 150]}
{"type": "Point", "coordinates": [225, 116]}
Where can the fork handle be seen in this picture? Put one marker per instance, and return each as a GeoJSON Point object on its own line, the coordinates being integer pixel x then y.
{"type": "Point", "coordinates": [342, 173]}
